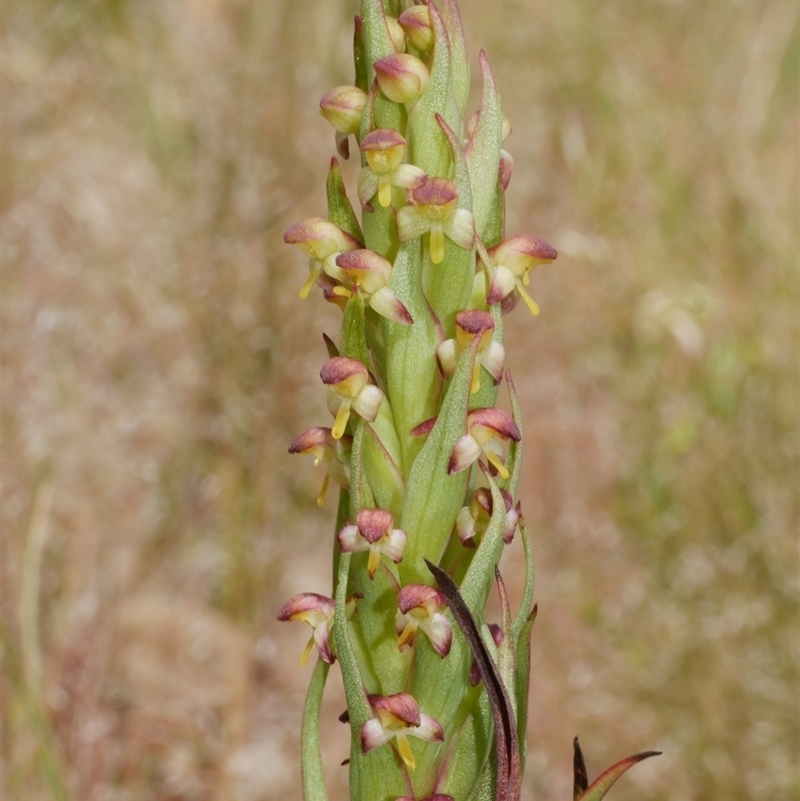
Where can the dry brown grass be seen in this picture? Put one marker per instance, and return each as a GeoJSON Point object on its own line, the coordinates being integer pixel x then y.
{"type": "Point", "coordinates": [156, 363]}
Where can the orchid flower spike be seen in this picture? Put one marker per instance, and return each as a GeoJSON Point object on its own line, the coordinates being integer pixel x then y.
{"type": "Point", "coordinates": [421, 268]}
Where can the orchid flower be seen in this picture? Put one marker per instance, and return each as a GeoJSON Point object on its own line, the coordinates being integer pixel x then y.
{"type": "Point", "coordinates": [486, 429]}
{"type": "Point", "coordinates": [432, 210]}
{"type": "Point", "coordinates": [490, 356]}
{"type": "Point", "coordinates": [384, 150]}
{"type": "Point", "coordinates": [373, 532]}
{"type": "Point", "coordinates": [320, 443]}
{"type": "Point", "coordinates": [317, 611]}
{"type": "Point", "coordinates": [349, 390]}
{"type": "Point", "coordinates": [419, 607]}
{"type": "Point", "coordinates": [398, 717]}
{"type": "Point", "coordinates": [322, 241]}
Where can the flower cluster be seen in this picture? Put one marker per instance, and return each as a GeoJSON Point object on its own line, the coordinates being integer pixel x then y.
{"type": "Point", "coordinates": [427, 462]}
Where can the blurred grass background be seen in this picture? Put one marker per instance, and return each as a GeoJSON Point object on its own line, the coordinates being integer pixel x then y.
{"type": "Point", "coordinates": [156, 364]}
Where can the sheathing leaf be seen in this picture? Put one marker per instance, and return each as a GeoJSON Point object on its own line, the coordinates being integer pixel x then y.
{"type": "Point", "coordinates": [485, 788]}
{"type": "Point", "coordinates": [478, 580]}
{"type": "Point", "coordinates": [506, 652]}
{"type": "Point", "coordinates": [377, 607]}
{"type": "Point", "coordinates": [449, 284]}
{"type": "Point", "coordinates": [385, 479]}
{"type": "Point", "coordinates": [378, 44]}
{"type": "Point", "coordinates": [469, 750]}
{"type": "Point", "coordinates": [483, 153]}
{"type": "Point", "coordinates": [340, 210]}
{"type": "Point", "coordinates": [311, 756]}
{"type": "Point", "coordinates": [530, 577]}
{"type": "Point", "coordinates": [377, 40]}
{"type": "Point", "coordinates": [427, 146]}
{"type": "Point", "coordinates": [362, 80]}
{"type": "Point", "coordinates": [438, 685]}
{"type": "Point", "coordinates": [380, 230]}
{"type": "Point", "coordinates": [433, 496]}
{"type": "Point", "coordinates": [412, 375]}
{"type": "Point", "coordinates": [515, 449]}
{"type": "Point", "coordinates": [522, 685]}
{"type": "Point", "coordinates": [494, 232]}
{"type": "Point", "coordinates": [342, 513]}
{"type": "Point", "coordinates": [354, 343]}
{"type": "Point", "coordinates": [360, 492]}
{"type": "Point", "coordinates": [459, 59]}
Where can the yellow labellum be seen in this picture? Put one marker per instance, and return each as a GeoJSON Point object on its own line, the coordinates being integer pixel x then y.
{"type": "Point", "coordinates": [374, 561]}
{"type": "Point", "coordinates": [385, 193]}
{"type": "Point", "coordinates": [323, 491]}
{"type": "Point", "coordinates": [408, 633]}
{"type": "Point", "coordinates": [304, 655]}
{"type": "Point", "coordinates": [495, 460]}
{"type": "Point", "coordinates": [437, 244]}
{"type": "Point", "coordinates": [405, 751]}
{"type": "Point", "coordinates": [476, 378]}
{"type": "Point", "coordinates": [306, 288]}
{"type": "Point", "coordinates": [529, 301]}
{"type": "Point", "coordinates": [342, 416]}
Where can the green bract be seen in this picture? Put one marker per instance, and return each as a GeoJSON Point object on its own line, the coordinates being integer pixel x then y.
{"type": "Point", "coordinates": [435, 706]}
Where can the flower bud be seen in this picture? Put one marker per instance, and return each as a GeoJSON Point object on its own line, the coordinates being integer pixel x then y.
{"type": "Point", "coordinates": [342, 107]}
{"type": "Point", "coordinates": [401, 77]}
{"type": "Point", "coordinates": [416, 22]}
